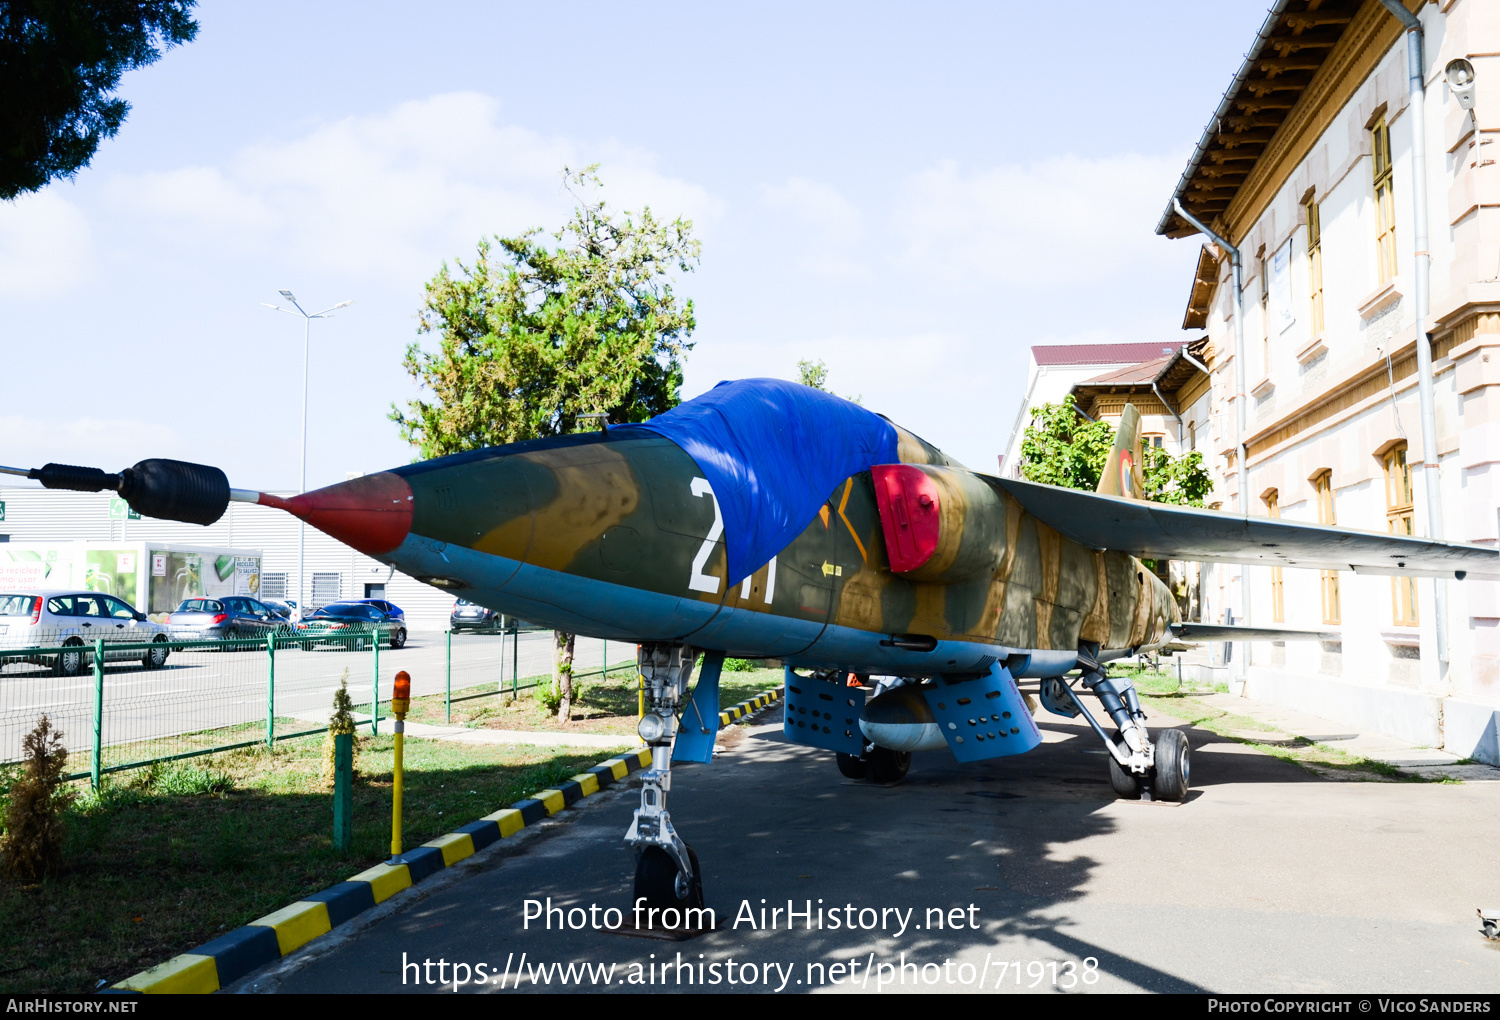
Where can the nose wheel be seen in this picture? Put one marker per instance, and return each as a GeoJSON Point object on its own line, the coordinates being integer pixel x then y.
{"type": "Point", "coordinates": [662, 884]}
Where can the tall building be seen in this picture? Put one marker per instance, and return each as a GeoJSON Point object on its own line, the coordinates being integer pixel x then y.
{"type": "Point", "coordinates": [1319, 168]}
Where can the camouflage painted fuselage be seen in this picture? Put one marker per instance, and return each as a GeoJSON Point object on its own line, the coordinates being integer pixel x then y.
{"type": "Point", "coordinates": [617, 535]}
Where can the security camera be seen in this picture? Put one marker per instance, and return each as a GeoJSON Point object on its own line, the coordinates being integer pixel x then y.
{"type": "Point", "coordinates": [1460, 75]}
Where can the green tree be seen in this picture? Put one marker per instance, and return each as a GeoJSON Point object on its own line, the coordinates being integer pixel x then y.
{"type": "Point", "coordinates": [1061, 447]}
{"type": "Point", "coordinates": [60, 62]}
{"type": "Point", "coordinates": [532, 336]}
{"type": "Point", "coordinates": [815, 374]}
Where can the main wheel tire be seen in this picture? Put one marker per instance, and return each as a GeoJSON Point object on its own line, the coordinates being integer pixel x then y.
{"type": "Point", "coordinates": [1173, 765]}
{"type": "Point", "coordinates": [887, 766]}
{"type": "Point", "coordinates": [155, 657]}
{"type": "Point", "coordinates": [657, 881]}
{"type": "Point", "coordinates": [1125, 783]}
{"type": "Point", "coordinates": [852, 766]}
{"type": "Point", "coordinates": [70, 663]}
{"type": "Point", "coordinates": [398, 639]}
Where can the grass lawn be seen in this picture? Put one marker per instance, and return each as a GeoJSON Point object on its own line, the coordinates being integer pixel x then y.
{"type": "Point", "coordinates": [164, 859]}
{"type": "Point", "coordinates": [1160, 691]}
{"type": "Point", "coordinates": [601, 708]}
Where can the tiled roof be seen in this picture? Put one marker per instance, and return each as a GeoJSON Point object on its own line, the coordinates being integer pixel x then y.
{"type": "Point", "coordinates": [1131, 375]}
{"type": "Point", "coordinates": [1102, 354]}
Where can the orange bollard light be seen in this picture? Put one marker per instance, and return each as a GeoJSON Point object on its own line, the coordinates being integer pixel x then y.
{"type": "Point", "coordinates": [400, 705]}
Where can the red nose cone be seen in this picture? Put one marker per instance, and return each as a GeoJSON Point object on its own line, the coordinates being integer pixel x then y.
{"type": "Point", "coordinates": [371, 513]}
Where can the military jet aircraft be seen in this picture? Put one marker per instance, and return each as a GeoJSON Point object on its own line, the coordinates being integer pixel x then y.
{"type": "Point", "coordinates": [765, 519]}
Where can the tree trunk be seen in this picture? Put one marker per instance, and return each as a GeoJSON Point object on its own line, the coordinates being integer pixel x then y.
{"type": "Point", "coordinates": [562, 674]}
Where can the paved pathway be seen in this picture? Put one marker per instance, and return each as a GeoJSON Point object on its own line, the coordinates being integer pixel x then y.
{"type": "Point", "coordinates": [1267, 879]}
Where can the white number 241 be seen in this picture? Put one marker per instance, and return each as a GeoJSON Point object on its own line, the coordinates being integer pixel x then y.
{"type": "Point", "coordinates": [698, 580]}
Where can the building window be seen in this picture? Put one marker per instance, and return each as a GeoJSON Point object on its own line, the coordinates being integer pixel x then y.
{"type": "Point", "coordinates": [1385, 204]}
{"type": "Point", "coordinates": [1278, 604]}
{"type": "Point", "coordinates": [1323, 484]}
{"type": "Point", "coordinates": [326, 588]}
{"type": "Point", "coordinates": [1265, 312]}
{"type": "Point", "coordinates": [1398, 520]}
{"type": "Point", "coordinates": [273, 586]}
{"type": "Point", "coordinates": [1315, 266]}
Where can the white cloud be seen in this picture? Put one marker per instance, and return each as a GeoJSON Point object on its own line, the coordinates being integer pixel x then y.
{"type": "Point", "coordinates": [111, 443]}
{"type": "Point", "coordinates": [46, 246]}
{"type": "Point", "coordinates": [1058, 221]}
{"type": "Point", "coordinates": [828, 224]}
{"type": "Point", "coordinates": [390, 194]}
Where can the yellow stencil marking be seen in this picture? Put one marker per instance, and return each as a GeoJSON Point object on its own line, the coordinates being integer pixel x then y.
{"type": "Point", "coordinates": [848, 488]}
{"type": "Point", "coordinates": [823, 513]}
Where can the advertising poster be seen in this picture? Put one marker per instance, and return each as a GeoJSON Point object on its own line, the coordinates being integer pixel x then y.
{"type": "Point", "coordinates": [182, 578]}
{"type": "Point", "coordinates": [28, 568]}
{"type": "Point", "coordinates": [247, 576]}
{"type": "Point", "coordinates": [111, 571]}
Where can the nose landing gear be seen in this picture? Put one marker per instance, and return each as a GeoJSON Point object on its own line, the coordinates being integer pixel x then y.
{"type": "Point", "coordinates": [666, 870]}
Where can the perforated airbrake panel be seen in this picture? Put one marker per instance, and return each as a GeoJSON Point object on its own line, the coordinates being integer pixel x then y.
{"type": "Point", "coordinates": [823, 713]}
{"type": "Point", "coordinates": [983, 718]}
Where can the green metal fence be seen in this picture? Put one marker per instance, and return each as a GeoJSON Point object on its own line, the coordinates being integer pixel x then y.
{"type": "Point", "coordinates": [121, 709]}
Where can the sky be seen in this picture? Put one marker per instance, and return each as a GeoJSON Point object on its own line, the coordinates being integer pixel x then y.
{"type": "Point", "coordinates": [914, 194]}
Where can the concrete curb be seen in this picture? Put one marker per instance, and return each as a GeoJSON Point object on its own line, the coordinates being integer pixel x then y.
{"type": "Point", "coordinates": [229, 957]}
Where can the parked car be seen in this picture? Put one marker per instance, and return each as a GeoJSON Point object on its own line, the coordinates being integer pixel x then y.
{"type": "Point", "coordinates": [284, 608]}
{"type": "Point", "coordinates": [389, 608]}
{"type": "Point", "coordinates": [204, 619]}
{"type": "Point", "coordinates": [350, 625]}
{"type": "Point", "coordinates": [67, 619]}
{"type": "Point", "coordinates": [469, 616]}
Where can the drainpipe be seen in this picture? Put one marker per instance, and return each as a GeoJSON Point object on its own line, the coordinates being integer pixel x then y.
{"type": "Point", "coordinates": [1421, 272]}
{"type": "Point", "coordinates": [1168, 406]}
{"type": "Point", "coordinates": [1239, 403]}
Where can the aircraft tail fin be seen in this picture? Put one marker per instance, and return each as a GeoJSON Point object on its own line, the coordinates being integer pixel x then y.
{"type": "Point", "coordinates": [1122, 471]}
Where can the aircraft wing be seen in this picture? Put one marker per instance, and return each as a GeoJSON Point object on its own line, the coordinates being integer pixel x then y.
{"type": "Point", "coordinates": [1165, 531]}
{"type": "Point", "coordinates": [1231, 632]}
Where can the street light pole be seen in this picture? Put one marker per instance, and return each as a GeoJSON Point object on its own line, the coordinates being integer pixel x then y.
{"type": "Point", "coordinates": [307, 319]}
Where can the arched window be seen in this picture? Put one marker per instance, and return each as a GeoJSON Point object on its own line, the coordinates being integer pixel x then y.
{"type": "Point", "coordinates": [1278, 604]}
{"type": "Point", "coordinates": [1323, 487]}
{"type": "Point", "coordinates": [1398, 520]}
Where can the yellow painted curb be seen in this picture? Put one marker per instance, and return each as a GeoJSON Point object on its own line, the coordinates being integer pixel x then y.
{"type": "Point", "coordinates": [552, 800]}
{"type": "Point", "coordinates": [188, 974]}
{"type": "Point", "coordinates": [644, 757]}
{"type": "Point", "coordinates": [588, 781]}
{"type": "Point", "coordinates": [617, 768]}
{"type": "Point", "coordinates": [509, 820]}
{"type": "Point", "coordinates": [297, 925]}
{"type": "Point", "coordinates": [385, 880]}
{"type": "Point", "coordinates": [455, 847]}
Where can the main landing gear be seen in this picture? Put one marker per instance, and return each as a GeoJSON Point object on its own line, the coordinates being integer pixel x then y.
{"type": "Point", "coordinates": [1138, 767]}
{"type": "Point", "coordinates": [666, 870]}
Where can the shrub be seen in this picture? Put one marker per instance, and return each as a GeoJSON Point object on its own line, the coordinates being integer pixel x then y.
{"type": "Point", "coordinates": [34, 830]}
{"type": "Point", "coordinates": [342, 721]}
{"type": "Point", "coordinates": [738, 665]}
{"type": "Point", "coordinates": [549, 693]}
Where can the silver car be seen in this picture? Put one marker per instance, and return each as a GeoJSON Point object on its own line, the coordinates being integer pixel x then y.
{"type": "Point", "coordinates": [67, 619]}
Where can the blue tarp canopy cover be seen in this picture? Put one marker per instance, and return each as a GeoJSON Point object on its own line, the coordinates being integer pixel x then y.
{"type": "Point", "coordinates": [773, 451]}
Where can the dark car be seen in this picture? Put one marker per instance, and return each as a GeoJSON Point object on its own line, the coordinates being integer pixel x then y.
{"type": "Point", "coordinates": [350, 625]}
{"type": "Point", "coordinates": [389, 608]}
{"type": "Point", "coordinates": [205, 619]}
{"type": "Point", "coordinates": [469, 616]}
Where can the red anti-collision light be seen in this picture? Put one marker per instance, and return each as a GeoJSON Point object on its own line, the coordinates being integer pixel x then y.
{"type": "Point", "coordinates": [371, 513]}
{"type": "Point", "coordinates": [402, 689]}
